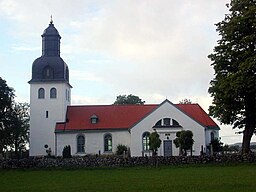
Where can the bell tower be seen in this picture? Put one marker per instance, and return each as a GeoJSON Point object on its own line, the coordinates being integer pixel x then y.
{"type": "Point", "coordinates": [50, 93]}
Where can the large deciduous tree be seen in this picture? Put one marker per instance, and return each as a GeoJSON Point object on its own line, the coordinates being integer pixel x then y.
{"type": "Point", "coordinates": [234, 60]}
{"type": "Point", "coordinates": [128, 100]}
{"type": "Point", "coordinates": [19, 127]}
{"type": "Point", "coordinates": [14, 121]}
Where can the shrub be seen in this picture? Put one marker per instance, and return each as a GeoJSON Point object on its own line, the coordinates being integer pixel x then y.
{"type": "Point", "coordinates": [66, 153]}
{"type": "Point", "coordinates": [120, 149]}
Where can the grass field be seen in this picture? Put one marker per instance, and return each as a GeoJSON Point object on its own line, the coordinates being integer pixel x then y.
{"type": "Point", "coordinates": [185, 178]}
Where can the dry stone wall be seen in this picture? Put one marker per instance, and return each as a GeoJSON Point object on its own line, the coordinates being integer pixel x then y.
{"type": "Point", "coordinates": [114, 161]}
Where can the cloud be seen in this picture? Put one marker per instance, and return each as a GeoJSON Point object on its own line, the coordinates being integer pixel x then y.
{"type": "Point", "coordinates": [24, 48]}
{"type": "Point", "coordinates": [155, 46]}
{"type": "Point", "coordinates": [101, 100]}
{"type": "Point", "coordinates": [84, 76]}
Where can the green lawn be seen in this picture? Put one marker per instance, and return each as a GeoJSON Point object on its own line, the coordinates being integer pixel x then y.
{"type": "Point", "coordinates": [185, 178]}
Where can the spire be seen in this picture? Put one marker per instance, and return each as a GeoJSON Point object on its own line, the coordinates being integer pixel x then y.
{"type": "Point", "coordinates": [51, 21]}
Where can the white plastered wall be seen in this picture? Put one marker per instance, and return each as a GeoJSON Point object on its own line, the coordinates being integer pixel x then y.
{"type": "Point", "coordinates": [94, 141]}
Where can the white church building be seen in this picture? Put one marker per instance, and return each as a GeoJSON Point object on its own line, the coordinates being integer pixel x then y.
{"type": "Point", "coordinates": [93, 129]}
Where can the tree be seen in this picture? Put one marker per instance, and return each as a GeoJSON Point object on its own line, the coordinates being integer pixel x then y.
{"type": "Point", "coordinates": [185, 101]}
{"type": "Point", "coordinates": [184, 141]}
{"type": "Point", "coordinates": [128, 100]}
{"type": "Point", "coordinates": [14, 120]}
{"type": "Point", "coordinates": [19, 127]}
{"type": "Point", "coordinates": [120, 149]}
{"type": "Point", "coordinates": [234, 60]}
{"type": "Point", "coordinates": [217, 145]}
{"type": "Point", "coordinates": [154, 142]}
{"type": "Point", "coordinates": [66, 152]}
{"type": "Point", "coordinates": [6, 101]}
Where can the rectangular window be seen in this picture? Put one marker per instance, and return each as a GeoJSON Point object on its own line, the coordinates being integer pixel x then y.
{"type": "Point", "coordinates": [46, 114]}
{"type": "Point", "coordinates": [167, 121]}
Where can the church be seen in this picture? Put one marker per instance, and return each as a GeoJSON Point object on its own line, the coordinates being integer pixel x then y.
{"type": "Point", "coordinates": [94, 129]}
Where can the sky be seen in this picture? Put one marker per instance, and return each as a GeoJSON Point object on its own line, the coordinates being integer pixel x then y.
{"type": "Point", "coordinates": [155, 49]}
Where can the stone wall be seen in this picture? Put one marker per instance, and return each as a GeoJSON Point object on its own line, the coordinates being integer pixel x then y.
{"type": "Point", "coordinates": [114, 161]}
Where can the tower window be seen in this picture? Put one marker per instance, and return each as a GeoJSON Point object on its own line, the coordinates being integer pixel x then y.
{"type": "Point", "coordinates": [48, 72]}
{"type": "Point", "coordinates": [46, 114]}
{"type": "Point", "coordinates": [67, 74]}
{"type": "Point", "coordinates": [41, 93]}
{"type": "Point", "coordinates": [53, 93]}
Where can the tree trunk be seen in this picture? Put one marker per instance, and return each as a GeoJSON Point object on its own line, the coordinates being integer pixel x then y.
{"type": "Point", "coordinates": [249, 123]}
{"type": "Point", "coordinates": [247, 135]}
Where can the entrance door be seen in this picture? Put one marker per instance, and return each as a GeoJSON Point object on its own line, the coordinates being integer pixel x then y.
{"type": "Point", "coordinates": [168, 148]}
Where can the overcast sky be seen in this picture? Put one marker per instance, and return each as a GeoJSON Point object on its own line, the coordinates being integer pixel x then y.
{"type": "Point", "coordinates": [155, 49]}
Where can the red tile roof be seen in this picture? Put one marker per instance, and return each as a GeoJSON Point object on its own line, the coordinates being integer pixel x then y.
{"type": "Point", "coordinates": [198, 114]}
{"type": "Point", "coordinates": [110, 116]}
{"type": "Point", "coordinates": [121, 116]}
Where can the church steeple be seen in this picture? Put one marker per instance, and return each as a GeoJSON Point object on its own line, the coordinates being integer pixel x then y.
{"type": "Point", "coordinates": [51, 41]}
{"type": "Point", "coordinates": [50, 67]}
{"type": "Point", "coordinates": [50, 94]}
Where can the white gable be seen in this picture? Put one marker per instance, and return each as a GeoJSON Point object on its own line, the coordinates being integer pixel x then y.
{"type": "Point", "coordinates": [167, 110]}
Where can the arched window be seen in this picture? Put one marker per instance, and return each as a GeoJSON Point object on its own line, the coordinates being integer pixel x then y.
{"type": "Point", "coordinates": [145, 141]}
{"type": "Point", "coordinates": [80, 144]}
{"type": "Point", "coordinates": [167, 122]}
{"type": "Point", "coordinates": [41, 93]}
{"type": "Point", "coordinates": [53, 93]}
{"type": "Point", "coordinates": [108, 143]}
